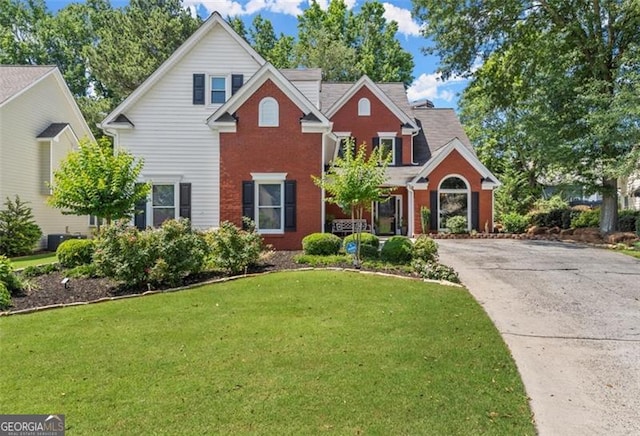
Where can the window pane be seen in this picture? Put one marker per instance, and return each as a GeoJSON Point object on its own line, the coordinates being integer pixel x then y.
{"type": "Point", "coordinates": [452, 205]}
{"type": "Point", "coordinates": [269, 218]}
{"type": "Point", "coordinates": [217, 83]}
{"type": "Point", "coordinates": [387, 146]}
{"type": "Point", "coordinates": [453, 183]}
{"type": "Point", "coordinates": [218, 96]}
{"type": "Point", "coordinates": [161, 214]}
{"type": "Point", "coordinates": [269, 195]}
{"type": "Point", "coordinates": [163, 195]}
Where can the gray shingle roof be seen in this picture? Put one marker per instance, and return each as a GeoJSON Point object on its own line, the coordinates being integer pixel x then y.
{"type": "Point", "coordinates": [52, 131]}
{"type": "Point", "coordinates": [302, 74]}
{"type": "Point", "coordinates": [15, 78]}
{"type": "Point", "coordinates": [332, 91]}
{"type": "Point", "coordinates": [437, 128]}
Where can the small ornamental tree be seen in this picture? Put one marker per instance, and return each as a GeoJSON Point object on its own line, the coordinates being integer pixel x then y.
{"type": "Point", "coordinates": [19, 232]}
{"type": "Point", "coordinates": [97, 180]}
{"type": "Point", "coordinates": [354, 182]}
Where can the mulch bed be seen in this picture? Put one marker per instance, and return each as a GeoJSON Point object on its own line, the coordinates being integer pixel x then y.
{"type": "Point", "coordinates": [48, 290]}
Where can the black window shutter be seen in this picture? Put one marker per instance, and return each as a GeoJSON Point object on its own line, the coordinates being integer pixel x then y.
{"type": "Point", "coordinates": [237, 80]}
{"type": "Point", "coordinates": [475, 211]}
{"type": "Point", "coordinates": [185, 200]}
{"type": "Point", "coordinates": [290, 206]}
{"type": "Point", "coordinates": [198, 89]}
{"type": "Point", "coordinates": [375, 142]}
{"type": "Point", "coordinates": [140, 217]}
{"type": "Point", "coordinates": [398, 151]}
{"type": "Point", "coordinates": [433, 205]}
{"type": "Point", "coordinates": [248, 200]}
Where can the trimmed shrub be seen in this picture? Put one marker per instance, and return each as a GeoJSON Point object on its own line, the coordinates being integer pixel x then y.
{"type": "Point", "coordinates": [160, 256]}
{"type": "Point", "coordinates": [587, 218]}
{"type": "Point", "coordinates": [313, 260]}
{"type": "Point", "coordinates": [75, 252]}
{"type": "Point", "coordinates": [369, 252]}
{"type": "Point", "coordinates": [627, 220]}
{"type": "Point", "coordinates": [365, 239]}
{"type": "Point", "coordinates": [513, 222]}
{"type": "Point", "coordinates": [125, 253]}
{"type": "Point", "coordinates": [397, 250]}
{"type": "Point", "coordinates": [5, 297]}
{"type": "Point", "coordinates": [554, 218]}
{"type": "Point", "coordinates": [425, 249]}
{"type": "Point", "coordinates": [19, 232]}
{"type": "Point", "coordinates": [233, 249]}
{"type": "Point", "coordinates": [181, 251]}
{"type": "Point", "coordinates": [8, 277]}
{"type": "Point", "coordinates": [457, 224]}
{"type": "Point", "coordinates": [435, 271]}
{"type": "Point", "coordinates": [321, 244]}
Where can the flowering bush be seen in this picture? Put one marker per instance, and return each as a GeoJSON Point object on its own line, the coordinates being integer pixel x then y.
{"type": "Point", "coordinates": [233, 249]}
{"type": "Point", "coordinates": [435, 271]}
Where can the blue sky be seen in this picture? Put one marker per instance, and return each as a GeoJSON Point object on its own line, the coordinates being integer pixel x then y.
{"type": "Point", "coordinates": [282, 13]}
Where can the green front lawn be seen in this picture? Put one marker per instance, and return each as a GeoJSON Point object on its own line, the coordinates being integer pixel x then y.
{"type": "Point", "coordinates": [633, 253]}
{"type": "Point", "coordinates": [36, 259]}
{"type": "Point", "coordinates": [285, 353]}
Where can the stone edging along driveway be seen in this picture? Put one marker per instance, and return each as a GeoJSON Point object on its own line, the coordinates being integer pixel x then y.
{"type": "Point", "coordinates": [570, 315]}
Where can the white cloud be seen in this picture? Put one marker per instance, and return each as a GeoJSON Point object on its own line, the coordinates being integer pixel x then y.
{"type": "Point", "coordinates": [289, 7]}
{"type": "Point", "coordinates": [432, 87]}
{"type": "Point", "coordinates": [232, 8]}
{"type": "Point", "coordinates": [406, 25]}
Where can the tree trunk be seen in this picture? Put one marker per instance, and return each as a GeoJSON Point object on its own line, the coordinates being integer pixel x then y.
{"type": "Point", "coordinates": [609, 209]}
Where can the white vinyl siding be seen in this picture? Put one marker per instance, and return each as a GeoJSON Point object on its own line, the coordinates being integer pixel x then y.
{"type": "Point", "coordinates": [45, 167]}
{"type": "Point", "coordinates": [21, 166]}
{"type": "Point", "coordinates": [170, 132]}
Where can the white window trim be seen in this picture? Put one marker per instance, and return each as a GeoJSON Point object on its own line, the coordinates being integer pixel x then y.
{"type": "Point", "coordinates": [176, 199]}
{"type": "Point", "coordinates": [266, 179]}
{"type": "Point", "coordinates": [227, 88]}
{"type": "Point", "coordinates": [261, 121]}
{"type": "Point", "coordinates": [467, 191]}
{"type": "Point", "coordinates": [389, 136]}
{"type": "Point", "coordinates": [364, 107]}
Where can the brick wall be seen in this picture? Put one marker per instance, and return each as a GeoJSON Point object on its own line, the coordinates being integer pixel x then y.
{"type": "Point", "coordinates": [283, 149]}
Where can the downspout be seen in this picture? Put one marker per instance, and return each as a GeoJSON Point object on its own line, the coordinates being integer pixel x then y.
{"type": "Point", "coordinates": [410, 210]}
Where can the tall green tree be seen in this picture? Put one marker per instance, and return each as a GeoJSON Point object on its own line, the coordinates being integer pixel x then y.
{"type": "Point", "coordinates": [354, 182]}
{"type": "Point", "coordinates": [96, 180]}
{"type": "Point", "coordinates": [348, 45]}
{"type": "Point", "coordinates": [563, 73]}
{"type": "Point", "coordinates": [135, 40]}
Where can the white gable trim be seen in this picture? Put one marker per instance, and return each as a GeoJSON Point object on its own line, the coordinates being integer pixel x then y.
{"type": "Point", "coordinates": [456, 144]}
{"type": "Point", "coordinates": [366, 81]}
{"type": "Point", "coordinates": [74, 106]}
{"type": "Point", "coordinates": [214, 20]}
{"type": "Point", "coordinates": [265, 73]}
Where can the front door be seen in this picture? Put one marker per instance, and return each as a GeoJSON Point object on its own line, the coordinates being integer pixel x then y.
{"type": "Point", "coordinates": [388, 216]}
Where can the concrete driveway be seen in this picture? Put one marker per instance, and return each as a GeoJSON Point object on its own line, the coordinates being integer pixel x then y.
{"type": "Point", "coordinates": [571, 316]}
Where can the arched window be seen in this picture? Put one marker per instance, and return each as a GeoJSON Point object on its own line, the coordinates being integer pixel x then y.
{"type": "Point", "coordinates": [453, 200]}
{"type": "Point", "coordinates": [268, 113]}
{"type": "Point", "coordinates": [364, 107]}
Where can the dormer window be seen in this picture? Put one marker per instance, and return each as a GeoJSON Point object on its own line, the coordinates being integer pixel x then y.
{"type": "Point", "coordinates": [364, 107]}
{"type": "Point", "coordinates": [268, 113]}
{"type": "Point", "coordinates": [218, 90]}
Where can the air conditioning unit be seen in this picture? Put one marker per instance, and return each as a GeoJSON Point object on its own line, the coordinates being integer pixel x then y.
{"type": "Point", "coordinates": [53, 241]}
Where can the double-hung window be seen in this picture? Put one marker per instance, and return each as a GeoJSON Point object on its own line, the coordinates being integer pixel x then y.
{"type": "Point", "coordinates": [163, 204]}
{"type": "Point", "coordinates": [270, 195]}
{"type": "Point", "coordinates": [218, 90]}
{"type": "Point", "coordinates": [388, 148]}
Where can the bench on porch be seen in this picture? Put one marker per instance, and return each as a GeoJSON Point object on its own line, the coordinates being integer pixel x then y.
{"type": "Point", "coordinates": [348, 226]}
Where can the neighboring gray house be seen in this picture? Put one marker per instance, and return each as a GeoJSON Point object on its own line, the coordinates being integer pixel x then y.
{"type": "Point", "coordinates": [39, 124]}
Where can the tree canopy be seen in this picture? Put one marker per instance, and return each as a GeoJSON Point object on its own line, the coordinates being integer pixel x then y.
{"type": "Point", "coordinates": [557, 89]}
{"type": "Point", "coordinates": [95, 180]}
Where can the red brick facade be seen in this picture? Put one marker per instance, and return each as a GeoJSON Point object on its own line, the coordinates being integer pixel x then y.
{"type": "Point", "coordinates": [455, 163]}
{"type": "Point", "coordinates": [283, 149]}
